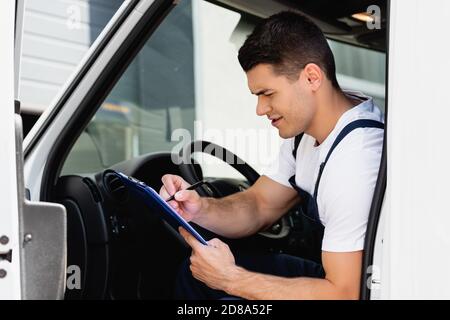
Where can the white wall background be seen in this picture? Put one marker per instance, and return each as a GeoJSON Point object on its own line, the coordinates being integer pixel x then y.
{"type": "Point", "coordinates": [225, 107]}
{"type": "Point", "coordinates": [56, 35]}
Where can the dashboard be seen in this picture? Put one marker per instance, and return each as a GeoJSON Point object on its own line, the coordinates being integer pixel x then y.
{"type": "Point", "coordinates": [125, 250]}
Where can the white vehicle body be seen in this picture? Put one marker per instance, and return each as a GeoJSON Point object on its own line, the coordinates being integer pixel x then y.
{"type": "Point", "coordinates": [412, 245]}
{"type": "Point", "coordinates": [9, 226]}
{"type": "Point", "coordinates": [414, 252]}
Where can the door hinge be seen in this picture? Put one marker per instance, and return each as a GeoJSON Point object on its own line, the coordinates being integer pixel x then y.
{"type": "Point", "coordinates": [17, 106]}
{"type": "Point", "coordinates": [4, 240]}
{"type": "Point", "coordinates": [6, 256]}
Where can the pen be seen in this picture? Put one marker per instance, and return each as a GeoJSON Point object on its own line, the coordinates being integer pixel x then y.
{"type": "Point", "coordinates": [191, 187]}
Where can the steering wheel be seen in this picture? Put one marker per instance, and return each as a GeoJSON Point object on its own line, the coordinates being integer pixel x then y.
{"type": "Point", "coordinates": [278, 230]}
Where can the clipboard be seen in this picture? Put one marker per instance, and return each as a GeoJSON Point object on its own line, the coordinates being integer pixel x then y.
{"type": "Point", "coordinates": [154, 200]}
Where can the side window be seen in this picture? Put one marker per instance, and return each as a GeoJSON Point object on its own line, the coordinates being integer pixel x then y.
{"type": "Point", "coordinates": [153, 97]}
{"type": "Point", "coordinates": [187, 76]}
{"type": "Point", "coordinates": [56, 36]}
{"type": "Point", "coordinates": [361, 69]}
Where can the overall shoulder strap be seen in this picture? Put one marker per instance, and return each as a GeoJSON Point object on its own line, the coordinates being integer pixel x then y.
{"type": "Point", "coordinates": [297, 140]}
{"type": "Point", "coordinates": [362, 123]}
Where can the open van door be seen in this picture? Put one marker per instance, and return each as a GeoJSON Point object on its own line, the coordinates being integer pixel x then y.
{"type": "Point", "coordinates": [32, 234]}
{"type": "Point", "coordinates": [10, 284]}
{"type": "Point", "coordinates": [49, 141]}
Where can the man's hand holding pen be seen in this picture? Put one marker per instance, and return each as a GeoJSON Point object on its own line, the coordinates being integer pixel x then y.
{"type": "Point", "coordinates": [181, 196]}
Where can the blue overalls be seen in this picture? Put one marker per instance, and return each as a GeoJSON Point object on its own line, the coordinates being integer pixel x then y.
{"type": "Point", "coordinates": [308, 203]}
{"type": "Point", "coordinates": [188, 287]}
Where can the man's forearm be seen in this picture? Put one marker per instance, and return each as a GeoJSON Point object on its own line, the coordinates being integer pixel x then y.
{"type": "Point", "coordinates": [257, 286]}
{"type": "Point", "coordinates": [234, 216]}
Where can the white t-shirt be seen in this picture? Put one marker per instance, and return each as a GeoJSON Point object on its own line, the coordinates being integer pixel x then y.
{"type": "Point", "coordinates": [348, 181]}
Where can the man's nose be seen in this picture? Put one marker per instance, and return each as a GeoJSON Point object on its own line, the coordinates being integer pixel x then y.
{"type": "Point", "coordinates": [263, 106]}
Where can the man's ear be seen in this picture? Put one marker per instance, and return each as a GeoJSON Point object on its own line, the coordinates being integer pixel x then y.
{"type": "Point", "coordinates": [314, 76]}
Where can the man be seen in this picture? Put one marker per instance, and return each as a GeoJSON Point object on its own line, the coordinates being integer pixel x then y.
{"type": "Point", "coordinates": [329, 163]}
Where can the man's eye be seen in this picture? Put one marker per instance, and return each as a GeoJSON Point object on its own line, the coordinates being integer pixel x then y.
{"type": "Point", "coordinates": [268, 94]}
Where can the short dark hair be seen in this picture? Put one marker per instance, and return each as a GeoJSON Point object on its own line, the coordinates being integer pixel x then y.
{"type": "Point", "coordinates": [288, 41]}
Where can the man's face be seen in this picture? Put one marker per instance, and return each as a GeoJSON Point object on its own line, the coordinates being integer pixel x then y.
{"type": "Point", "coordinates": [287, 103]}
